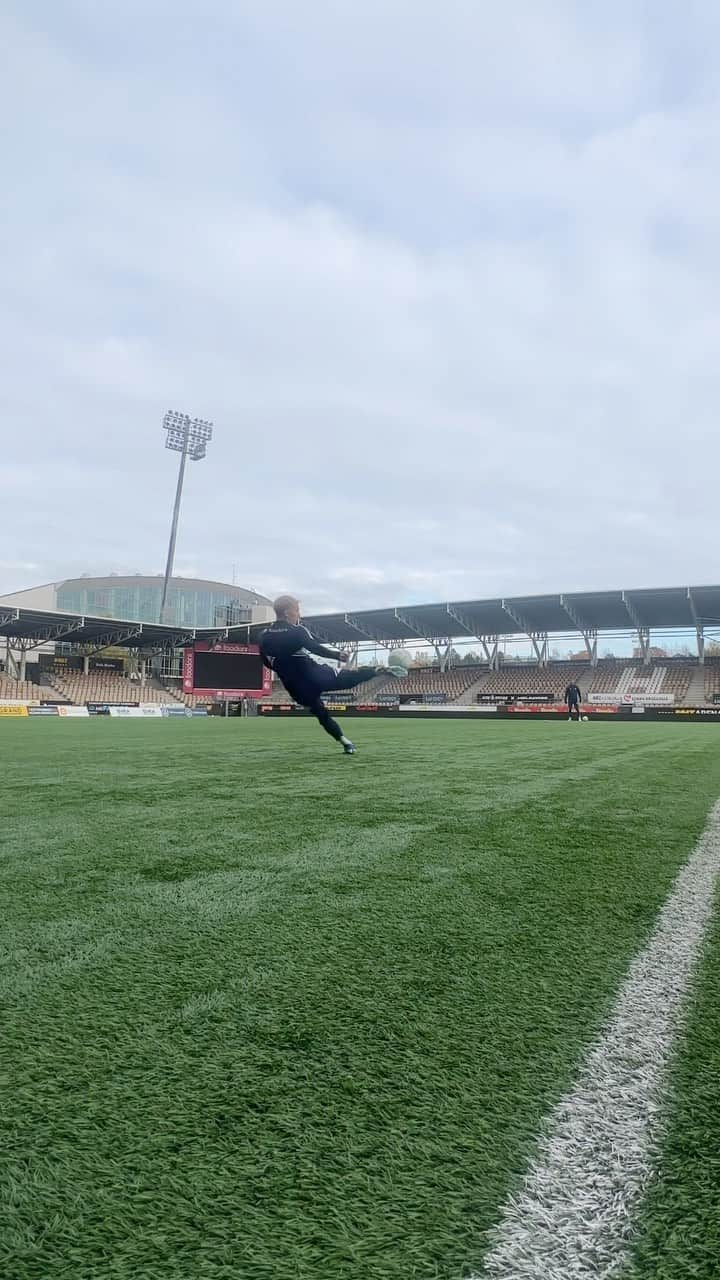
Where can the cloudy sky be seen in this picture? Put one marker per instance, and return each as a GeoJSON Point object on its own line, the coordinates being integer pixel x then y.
{"type": "Point", "coordinates": [445, 278]}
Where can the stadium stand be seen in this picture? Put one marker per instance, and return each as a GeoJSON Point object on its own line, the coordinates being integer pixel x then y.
{"type": "Point", "coordinates": [712, 678]}
{"type": "Point", "coordinates": [677, 678]}
{"type": "Point", "coordinates": [110, 689]}
{"type": "Point", "coordinates": [450, 684]}
{"type": "Point", "coordinates": [17, 690]}
{"type": "Point", "coordinates": [192, 699]}
{"type": "Point", "coordinates": [529, 678]}
{"type": "Point", "coordinates": [369, 691]}
{"type": "Point", "coordinates": [606, 677]}
{"type": "Point", "coordinates": [618, 677]}
{"type": "Point", "coordinates": [174, 693]}
{"type": "Point", "coordinates": [612, 676]}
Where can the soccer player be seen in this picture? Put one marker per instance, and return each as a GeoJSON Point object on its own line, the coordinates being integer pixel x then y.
{"type": "Point", "coordinates": [572, 697]}
{"type": "Point", "coordinates": [287, 648]}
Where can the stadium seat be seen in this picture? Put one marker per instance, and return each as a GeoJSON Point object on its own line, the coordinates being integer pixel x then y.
{"type": "Point", "coordinates": [110, 689]}
{"type": "Point", "coordinates": [712, 678]}
{"type": "Point", "coordinates": [18, 690]}
{"type": "Point", "coordinates": [528, 678]}
{"type": "Point", "coordinates": [617, 677]}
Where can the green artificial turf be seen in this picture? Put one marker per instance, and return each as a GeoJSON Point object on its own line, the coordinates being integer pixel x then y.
{"type": "Point", "coordinates": [268, 1011]}
{"type": "Point", "coordinates": [680, 1230]}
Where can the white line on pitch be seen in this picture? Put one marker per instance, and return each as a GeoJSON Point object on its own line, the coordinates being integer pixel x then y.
{"type": "Point", "coordinates": [574, 1216]}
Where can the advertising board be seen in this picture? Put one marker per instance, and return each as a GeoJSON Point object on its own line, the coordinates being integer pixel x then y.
{"type": "Point", "coordinates": [508, 699]}
{"type": "Point", "coordinates": [632, 699]}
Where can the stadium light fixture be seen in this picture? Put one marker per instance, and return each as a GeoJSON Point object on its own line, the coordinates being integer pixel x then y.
{"type": "Point", "coordinates": [190, 438]}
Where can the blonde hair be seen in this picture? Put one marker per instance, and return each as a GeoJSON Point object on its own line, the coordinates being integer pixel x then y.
{"type": "Point", "coordinates": [282, 604]}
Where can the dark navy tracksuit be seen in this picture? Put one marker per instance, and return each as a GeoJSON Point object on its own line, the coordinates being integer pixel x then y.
{"type": "Point", "coordinates": [287, 650]}
{"type": "Point", "coordinates": [572, 697]}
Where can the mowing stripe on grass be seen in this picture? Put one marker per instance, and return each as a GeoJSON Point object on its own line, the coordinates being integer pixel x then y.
{"type": "Point", "coordinates": [576, 1211]}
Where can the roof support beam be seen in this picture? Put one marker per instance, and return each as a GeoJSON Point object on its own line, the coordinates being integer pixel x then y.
{"type": "Point", "coordinates": [377, 636]}
{"type": "Point", "coordinates": [111, 638]}
{"type": "Point", "coordinates": [492, 654]}
{"type": "Point", "coordinates": [11, 665]}
{"type": "Point", "coordinates": [462, 620]}
{"type": "Point", "coordinates": [643, 632]}
{"type": "Point", "coordinates": [442, 654]}
{"type": "Point", "coordinates": [411, 623]}
{"type": "Point", "coordinates": [46, 635]}
{"type": "Point", "coordinates": [516, 617]}
{"type": "Point", "coordinates": [588, 633]}
{"type": "Point", "coordinates": [699, 629]}
{"type": "Point", "coordinates": [538, 639]}
{"type": "Point", "coordinates": [12, 615]}
{"type": "Point", "coordinates": [179, 640]}
{"type": "Point", "coordinates": [490, 644]}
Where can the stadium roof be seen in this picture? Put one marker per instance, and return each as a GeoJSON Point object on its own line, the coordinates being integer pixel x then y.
{"type": "Point", "coordinates": [583, 612]}
{"type": "Point", "coordinates": [42, 626]}
{"type": "Point", "coordinates": [681, 608]}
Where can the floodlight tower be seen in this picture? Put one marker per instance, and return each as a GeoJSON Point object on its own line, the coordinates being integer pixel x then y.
{"type": "Point", "coordinates": [190, 438]}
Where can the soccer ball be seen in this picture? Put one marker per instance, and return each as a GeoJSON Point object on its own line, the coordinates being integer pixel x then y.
{"type": "Point", "coordinates": [399, 662]}
{"type": "Point", "coordinates": [583, 717]}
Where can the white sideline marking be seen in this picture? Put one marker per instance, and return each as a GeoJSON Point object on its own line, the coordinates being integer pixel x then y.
{"type": "Point", "coordinates": [574, 1216]}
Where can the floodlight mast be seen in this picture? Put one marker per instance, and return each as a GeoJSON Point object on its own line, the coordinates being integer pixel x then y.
{"type": "Point", "coordinates": [190, 438]}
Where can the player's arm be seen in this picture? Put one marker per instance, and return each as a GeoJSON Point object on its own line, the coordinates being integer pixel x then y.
{"type": "Point", "coordinates": [266, 659]}
{"type": "Point", "coordinates": [309, 642]}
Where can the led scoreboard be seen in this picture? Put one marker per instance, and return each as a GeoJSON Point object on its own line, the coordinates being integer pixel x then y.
{"type": "Point", "coordinates": [225, 671]}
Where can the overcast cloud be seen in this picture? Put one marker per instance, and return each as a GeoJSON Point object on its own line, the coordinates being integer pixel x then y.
{"type": "Point", "coordinates": [445, 277]}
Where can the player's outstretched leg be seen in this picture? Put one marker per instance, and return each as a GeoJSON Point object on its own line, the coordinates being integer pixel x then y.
{"type": "Point", "coordinates": [321, 713]}
{"type": "Point", "coordinates": [348, 679]}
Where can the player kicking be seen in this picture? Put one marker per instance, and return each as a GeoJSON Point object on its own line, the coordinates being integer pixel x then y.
{"type": "Point", "coordinates": [286, 648]}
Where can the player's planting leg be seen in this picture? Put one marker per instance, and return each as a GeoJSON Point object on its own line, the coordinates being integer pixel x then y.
{"type": "Point", "coordinates": [322, 715]}
{"type": "Point", "coordinates": [336, 682]}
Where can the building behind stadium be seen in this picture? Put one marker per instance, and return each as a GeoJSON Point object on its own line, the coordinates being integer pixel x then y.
{"type": "Point", "coordinates": [192, 602]}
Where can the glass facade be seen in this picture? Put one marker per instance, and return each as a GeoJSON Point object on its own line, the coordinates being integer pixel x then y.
{"type": "Point", "coordinates": [139, 600]}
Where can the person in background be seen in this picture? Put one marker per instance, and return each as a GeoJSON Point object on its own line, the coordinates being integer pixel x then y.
{"type": "Point", "coordinates": [573, 697]}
